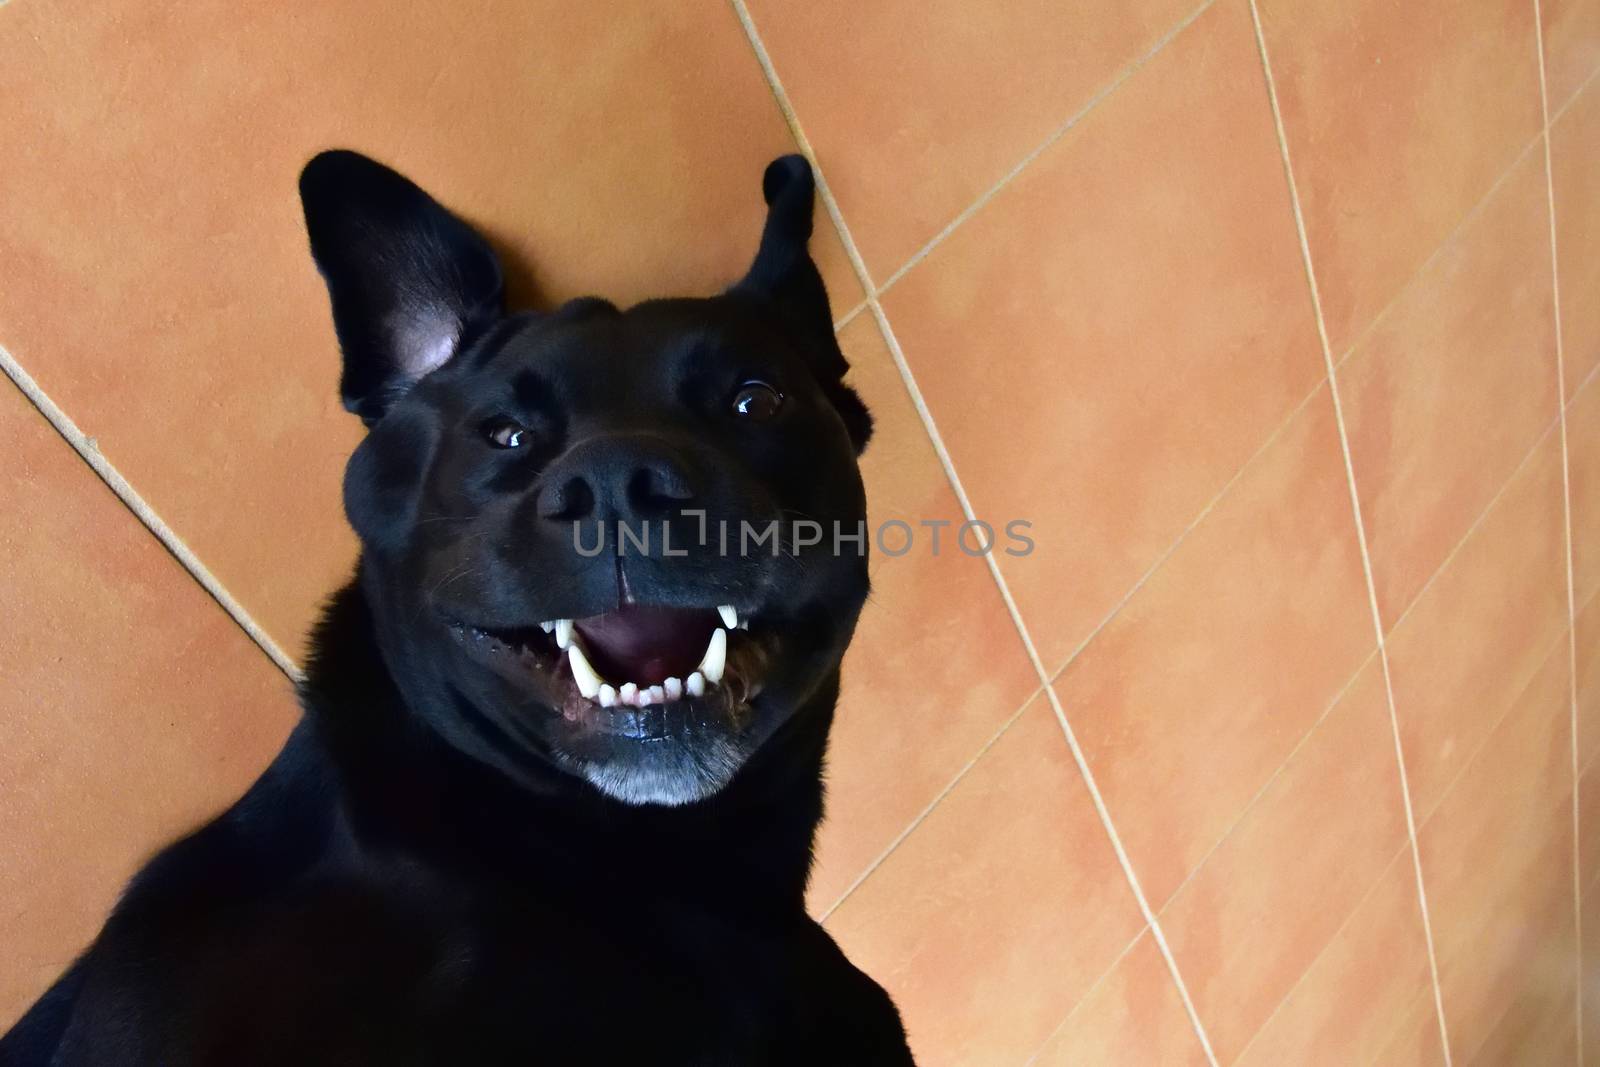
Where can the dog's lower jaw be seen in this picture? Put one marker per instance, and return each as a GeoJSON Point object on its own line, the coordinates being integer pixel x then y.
{"type": "Point", "coordinates": [692, 763]}
{"type": "Point", "coordinates": [686, 762]}
{"type": "Point", "coordinates": [684, 776]}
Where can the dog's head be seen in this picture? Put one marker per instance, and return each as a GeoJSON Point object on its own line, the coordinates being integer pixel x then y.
{"type": "Point", "coordinates": [621, 545]}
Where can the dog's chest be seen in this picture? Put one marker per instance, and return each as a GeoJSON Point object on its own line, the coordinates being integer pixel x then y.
{"type": "Point", "coordinates": [432, 974]}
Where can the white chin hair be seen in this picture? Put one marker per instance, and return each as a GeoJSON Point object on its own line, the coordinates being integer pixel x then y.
{"type": "Point", "coordinates": [681, 774]}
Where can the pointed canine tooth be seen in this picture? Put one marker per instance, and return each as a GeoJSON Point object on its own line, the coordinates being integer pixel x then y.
{"type": "Point", "coordinates": [716, 656]}
{"type": "Point", "coordinates": [608, 696]}
{"type": "Point", "coordinates": [547, 626]}
{"type": "Point", "coordinates": [744, 624]}
{"type": "Point", "coordinates": [730, 618]}
{"type": "Point", "coordinates": [673, 688]}
{"type": "Point", "coordinates": [563, 633]}
{"type": "Point", "coordinates": [588, 681]}
{"type": "Point", "coordinates": [629, 693]}
{"type": "Point", "coordinates": [695, 684]}
{"type": "Point", "coordinates": [658, 694]}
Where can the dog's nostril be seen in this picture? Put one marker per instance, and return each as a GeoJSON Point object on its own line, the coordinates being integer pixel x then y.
{"type": "Point", "coordinates": [570, 498]}
{"type": "Point", "coordinates": [658, 486]}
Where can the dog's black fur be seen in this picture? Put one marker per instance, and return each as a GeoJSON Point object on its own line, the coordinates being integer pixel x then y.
{"type": "Point", "coordinates": [454, 860]}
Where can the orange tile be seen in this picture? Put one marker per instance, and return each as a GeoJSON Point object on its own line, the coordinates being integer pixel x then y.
{"type": "Point", "coordinates": [1590, 939]}
{"type": "Point", "coordinates": [1589, 826]}
{"type": "Point", "coordinates": [1571, 46]}
{"type": "Point", "coordinates": [1262, 907]}
{"type": "Point", "coordinates": [159, 285]}
{"type": "Point", "coordinates": [1144, 275]}
{"type": "Point", "coordinates": [935, 627]}
{"type": "Point", "coordinates": [916, 108]}
{"type": "Point", "coordinates": [133, 706]}
{"type": "Point", "coordinates": [1587, 645]}
{"type": "Point", "coordinates": [1399, 118]}
{"type": "Point", "coordinates": [1583, 471]}
{"type": "Point", "coordinates": [1512, 786]}
{"type": "Point", "coordinates": [1476, 635]}
{"type": "Point", "coordinates": [1454, 385]}
{"type": "Point", "coordinates": [1133, 1015]}
{"type": "Point", "coordinates": [1364, 986]}
{"type": "Point", "coordinates": [1233, 648]}
{"type": "Point", "coordinates": [1415, 1042]}
{"type": "Point", "coordinates": [995, 917]}
{"type": "Point", "coordinates": [1574, 172]}
{"type": "Point", "coordinates": [1497, 865]}
{"type": "Point", "coordinates": [1534, 1002]}
{"type": "Point", "coordinates": [1538, 1031]}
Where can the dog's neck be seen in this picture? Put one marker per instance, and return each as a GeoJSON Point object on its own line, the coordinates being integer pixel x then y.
{"type": "Point", "coordinates": [408, 792]}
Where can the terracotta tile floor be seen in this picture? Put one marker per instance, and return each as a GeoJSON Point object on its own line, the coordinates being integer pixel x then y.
{"type": "Point", "coordinates": [1265, 755]}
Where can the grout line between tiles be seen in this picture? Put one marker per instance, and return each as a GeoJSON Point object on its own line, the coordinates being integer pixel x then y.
{"type": "Point", "coordinates": [1566, 510]}
{"type": "Point", "coordinates": [90, 453]}
{"type": "Point", "coordinates": [1327, 946]}
{"type": "Point", "coordinates": [1472, 213]}
{"type": "Point", "coordinates": [1449, 238]}
{"type": "Point", "coordinates": [1116, 844]}
{"type": "Point", "coordinates": [1439, 250]}
{"type": "Point", "coordinates": [1087, 993]}
{"type": "Point", "coordinates": [1355, 507]}
{"type": "Point", "coordinates": [849, 316]}
{"type": "Point", "coordinates": [1282, 768]}
{"type": "Point", "coordinates": [1516, 472]}
{"type": "Point", "coordinates": [1401, 1018]}
{"type": "Point", "coordinates": [1542, 654]}
{"type": "Point", "coordinates": [1055, 703]}
{"type": "Point", "coordinates": [1565, 107]}
{"type": "Point", "coordinates": [1183, 535]}
{"type": "Point", "coordinates": [825, 193]}
{"type": "Point", "coordinates": [1055, 135]}
{"type": "Point", "coordinates": [1455, 231]}
{"type": "Point", "coordinates": [1588, 379]}
{"type": "Point", "coordinates": [877, 861]}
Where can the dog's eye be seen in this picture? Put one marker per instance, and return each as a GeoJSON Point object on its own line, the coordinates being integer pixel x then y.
{"type": "Point", "coordinates": [503, 433]}
{"type": "Point", "coordinates": [756, 400]}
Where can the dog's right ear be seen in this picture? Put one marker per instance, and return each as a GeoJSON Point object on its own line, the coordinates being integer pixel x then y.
{"type": "Point", "coordinates": [410, 283]}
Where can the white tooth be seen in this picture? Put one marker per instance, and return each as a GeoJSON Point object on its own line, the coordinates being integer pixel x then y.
{"type": "Point", "coordinates": [673, 688]}
{"type": "Point", "coordinates": [658, 694]}
{"type": "Point", "coordinates": [744, 624]}
{"type": "Point", "coordinates": [730, 618]}
{"type": "Point", "coordinates": [608, 696]}
{"type": "Point", "coordinates": [588, 681]}
{"type": "Point", "coordinates": [629, 693]}
{"type": "Point", "coordinates": [716, 656]}
{"type": "Point", "coordinates": [695, 684]}
{"type": "Point", "coordinates": [563, 633]}
{"type": "Point", "coordinates": [547, 626]}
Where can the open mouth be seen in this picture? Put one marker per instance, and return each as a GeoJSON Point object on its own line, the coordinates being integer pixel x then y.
{"type": "Point", "coordinates": [637, 656]}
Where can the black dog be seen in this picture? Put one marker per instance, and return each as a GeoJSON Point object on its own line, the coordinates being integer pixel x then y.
{"type": "Point", "coordinates": [553, 797]}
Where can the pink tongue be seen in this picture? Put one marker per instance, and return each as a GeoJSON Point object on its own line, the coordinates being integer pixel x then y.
{"type": "Point", "coordinates": [646, 644]}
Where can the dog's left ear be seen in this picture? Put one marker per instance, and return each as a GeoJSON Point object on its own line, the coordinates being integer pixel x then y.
{"type": "Point", "coordinates": [410, 283]}
{"type": "Point", "coordinates": [784, 273]}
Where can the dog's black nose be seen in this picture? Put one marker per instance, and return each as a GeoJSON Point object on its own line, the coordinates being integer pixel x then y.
{"type": "Point", "coordinates": [622, 476]}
